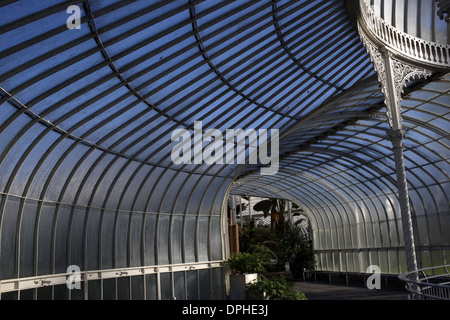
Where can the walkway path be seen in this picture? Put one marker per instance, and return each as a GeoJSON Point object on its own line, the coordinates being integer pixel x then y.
{"type": "Point", "coordinates": [327, 291]}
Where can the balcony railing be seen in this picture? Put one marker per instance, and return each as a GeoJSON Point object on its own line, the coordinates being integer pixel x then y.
{"type": "Point", "coordinates": [427, 52]}
{"type": "Point", "coordinates": [428, 283]}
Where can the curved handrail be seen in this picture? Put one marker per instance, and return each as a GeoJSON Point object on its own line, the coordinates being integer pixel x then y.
{"type": "Point", "coordinates": [420, 50]}
{"type": "Point", "coordinates": [428, 287]}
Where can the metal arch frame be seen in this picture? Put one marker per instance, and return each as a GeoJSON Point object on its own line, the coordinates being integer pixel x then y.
{"type": "Point", "coordinates": [288, 51]}
{"type": "Point", "coordinates": [115, 71]}
{"type": "Point", "coordinates": [208, 59]}
{"type": "Point", "coordinates": [355, 143]}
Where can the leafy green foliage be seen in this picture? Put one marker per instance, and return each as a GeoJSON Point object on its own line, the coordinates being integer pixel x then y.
{"type": "Point", "coordinates": [277, 288]}
{"type": "Point", "coordinates": [297, 250]}
{"type": "Point", "coordinates": [290, 246]}
{"type": "Point", "coordinates": [245, 262]}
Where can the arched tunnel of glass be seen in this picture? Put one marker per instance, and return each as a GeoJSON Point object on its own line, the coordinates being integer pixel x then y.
{"type": "Point", "coordinates": [115, 158]}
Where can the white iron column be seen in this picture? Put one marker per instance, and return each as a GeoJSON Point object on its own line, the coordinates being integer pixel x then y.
{"type": "Point", "coordinates": [394, 87]}
{"type": "Point", "coordinates": [396, 137]}
{"type": "Point", "coordinates": [393, 75]}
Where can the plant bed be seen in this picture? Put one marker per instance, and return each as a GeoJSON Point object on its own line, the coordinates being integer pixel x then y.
{"type": "Point", "coordinates": [275, 288]}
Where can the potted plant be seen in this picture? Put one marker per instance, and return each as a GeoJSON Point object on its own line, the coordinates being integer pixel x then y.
{"type": "Point", "coordinates": [244, 267]}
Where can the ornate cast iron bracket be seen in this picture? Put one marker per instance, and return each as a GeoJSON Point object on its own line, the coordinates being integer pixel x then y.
{"type": "Point", "coordinates": [393, 75]}
{"type": "Point", "coordinates": [444, 9]}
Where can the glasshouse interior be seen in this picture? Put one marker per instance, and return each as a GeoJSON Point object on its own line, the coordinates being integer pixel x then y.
{"type": "Point", "coordinates": [156, 149]}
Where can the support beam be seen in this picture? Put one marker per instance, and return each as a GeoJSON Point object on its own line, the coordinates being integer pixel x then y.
{"type": "Point", "coordinates": [393, 75]}
{"type": "Point", "coordinates": [396, 137]}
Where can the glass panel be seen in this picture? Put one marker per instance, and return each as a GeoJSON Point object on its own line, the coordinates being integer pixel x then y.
{"type": "Point", "coordinates": [29, 294]}
{"type": "Point", "coordinates": [92, 238]}
{"type": "Point", "coordinates": [356, 261]}
{"type": "Point", "coordinates": [76, 241]}
{"type": "Point", "coordinates": [166, 286]}
{"type": "Point", "coordinates": [62, 230]}
{"type": "Point", "coordinates": [8, 261]}
{"type": "Point", "coordinates": [61, 292]}
{"type": "Point", "coordinates": [422, 231]}
{"type": "Point", "coordinates": [336, 261]}
{"type": "Point", "coordinates": [150, 239]}
{"type": "Point", "coordinates": [436, 256]}
{"type": "Point", "coordinates": [216, 238]}
{"type": "Point", "coordinates": [424, 260]}
{"type": "Point", "coordinates": [190, 235]}
{"type": "Point", "coordinates": [364, 261]}
{"type": "Point", "coordinates": [136, 239]}
{"type": "Point", "coordinates": [173, 192]}
{"type": "Point", "coordinates": [435, 227]}
{"type": "Point", "coordinates": [129, 199]}
{"type": "Point", "coordinates": [46, 221]}
{"type": "Point", "coordinates": [123, 288]}
{"type": "Point", "coordinates": [218, 290]}
{"type": "Point", "coordinates": [159, 191]}
{"type": "Point", "coordinates": [27, 238]}
{"type": "Point", "coordinates": [445, 221]}
{"type": "Point", "coordinates": [109, 289]}
{"type": "Point", "coordinates": [177, 239]}
{"type": "Point", "coordinates": [163, 239]}
{"type": "Point", "coordinates": [184, 193]}
{"type": "Point", "coordinates": [203, 239]}
{"type": "Point", "coordinates": [77, 294]}
{"type": "Point", "coordinates": [151, 287]}
{"type": "Point", "coordinates": [350, 262]}
{"type": "Point", "coordinates": [205, 284]}
{"type": "Point", "coordinates": [13, 295]}
{"type": "Point", "coordinates": [137, 288]}
{"type": "Point", "coordinates": [179, 285]}
{"type": "Point", "coordinates": [121, 239]}
{"type": "Point", "coordinates": [192, 285]}
{"type": "Point", "coordinates": [393, 261]}
{"type": "Point", "coordinates": [373, 258]}
{"type": "Point", "coordinates": [94, 289]}
{"type": "Point", "coordinates": [402, 261]}
{"type": "Point", "coordinates": [44, 293]}
{"type": "Point", "coordinates": [107, 236]}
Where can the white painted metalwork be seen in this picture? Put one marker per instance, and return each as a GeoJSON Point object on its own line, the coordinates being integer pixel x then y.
{"type": "Point", "coordinates": [383, 43]}
{"type": "Point", "coordinates": [18, 284]}
{"type": "Point", "coordinates": [419, 50]}
{"type": "Point", "coordinates": [428, 283]}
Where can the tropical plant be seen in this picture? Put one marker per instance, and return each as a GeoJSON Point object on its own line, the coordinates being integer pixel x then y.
{"type": "Point", "coordinates": [270, 259]}
{"type": "Point", "coordinates": [246, 262]}
{"type": "Point", "coordinates": [264, 206]}
{"type": "Point", "coordinates": [297, 250]}
{"type": "Point", "coordinates": [276, 207]}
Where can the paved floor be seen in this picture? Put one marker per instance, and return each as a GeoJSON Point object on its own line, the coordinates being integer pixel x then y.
{"type": "Point", "coordinates": [327, 291]}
